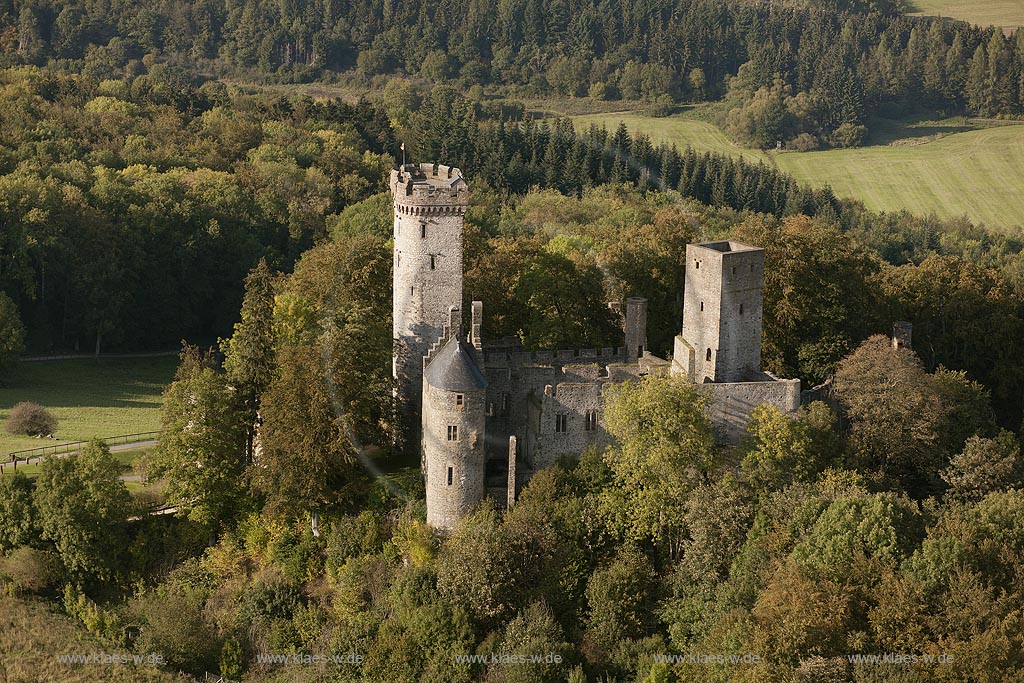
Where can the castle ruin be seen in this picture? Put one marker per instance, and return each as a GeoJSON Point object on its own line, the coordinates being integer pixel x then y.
{"type": "Point", "coordinates": [488, 414]}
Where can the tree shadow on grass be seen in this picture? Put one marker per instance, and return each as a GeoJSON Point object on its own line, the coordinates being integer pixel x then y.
{"type": "Point", "coordinates": [914, 130]}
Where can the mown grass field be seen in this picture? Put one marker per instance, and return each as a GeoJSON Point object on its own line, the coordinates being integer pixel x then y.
{"type": "Point", "coordinates": [978, 173]}
{"type": "Point", "coordinates": [1005, 13]}
{"type": "Point", "coordinates": [684, 131]}
{"type": "Point", "coordinates": [90, 398]}
{"type": "Point", "coordinates": [951, 168]}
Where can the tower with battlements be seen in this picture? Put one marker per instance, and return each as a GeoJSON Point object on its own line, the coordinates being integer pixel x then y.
{"type": "Point", "coordinates": [721, 336]}
{"type": "Point", "coordinates": [429, 205]}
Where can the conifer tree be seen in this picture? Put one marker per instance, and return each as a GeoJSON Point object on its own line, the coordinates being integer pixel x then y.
{"type": "Point", "coordinates": [249, 353]}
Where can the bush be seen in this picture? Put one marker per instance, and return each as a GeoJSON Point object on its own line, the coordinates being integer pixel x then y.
{"type": "Point", "coordinates": [598, 91]}
{"type": "Point", "coordinates": [31, 419]}
{"type": "Point", "coordinates": [849, 135]}
{"type": "Point", "coordinates": [805, 142]}
{"type": "Point", "coordinates": [663, 106]}
{"type": "Point", "coordinates": [27, 569]}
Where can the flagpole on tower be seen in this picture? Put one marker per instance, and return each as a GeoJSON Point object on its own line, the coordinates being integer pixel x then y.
{"type": "Point", "coordinates": [403, 155]}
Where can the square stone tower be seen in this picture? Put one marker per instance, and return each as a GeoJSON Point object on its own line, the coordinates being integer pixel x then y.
{"type": "Point", "coordinates": [721, 337]}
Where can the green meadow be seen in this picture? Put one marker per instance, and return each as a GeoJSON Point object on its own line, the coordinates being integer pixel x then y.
{"type": "Point", "coordinates": [952, 167]}
{"type": "Point", "coordinates": [104, 398]}
{"type": "Point", "coordinates": [1005, 13]}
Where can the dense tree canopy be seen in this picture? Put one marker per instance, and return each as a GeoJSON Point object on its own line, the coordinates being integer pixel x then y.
{"type": "Point", "coordinates": [804, 71]}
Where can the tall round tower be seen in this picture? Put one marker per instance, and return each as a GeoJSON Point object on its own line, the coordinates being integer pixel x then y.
{"type": "Point", "coordinates": [429, 203]}
{"type": "Point", "coordinates": [454, 414]}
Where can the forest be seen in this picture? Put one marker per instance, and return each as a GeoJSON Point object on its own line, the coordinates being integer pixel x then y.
{"type": "Point", "coordinates": [808, 74]}
{"type": "Point", "coordinates": [147, 197]}
{"type": "Point", "coordinates": [885, 520]}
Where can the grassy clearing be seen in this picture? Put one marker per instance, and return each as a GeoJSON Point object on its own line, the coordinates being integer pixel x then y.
{"type": "Point", "coordinates": [977, 173]}
{"type": "Point", "coordinates": [951, 167]}
{"type": "Point", "coordinates": [90, 398]}
{"type": "Point", "coordinates": [32, 636]}
{"type": "Point", "coordinates": [1005, 13]}
{"type": "Point", "coordinates": [685, 129]}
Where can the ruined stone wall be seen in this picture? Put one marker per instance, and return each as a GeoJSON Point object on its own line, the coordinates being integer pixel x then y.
{"type": "Point", "coordinates": [569, 402]}
{"type": "Point", "coordinates": [454, 469]}
{"type": "Point", "coordinates": [635, 327]}
{"type": "Point", "coordinates": [733, 402]}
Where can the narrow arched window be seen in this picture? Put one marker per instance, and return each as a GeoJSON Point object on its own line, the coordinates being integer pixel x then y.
{"type": "Point", "coordinates": [708, 355]}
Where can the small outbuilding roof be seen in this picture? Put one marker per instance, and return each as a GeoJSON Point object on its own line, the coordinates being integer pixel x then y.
{"type": "Point", "coordinates": [454, 368]}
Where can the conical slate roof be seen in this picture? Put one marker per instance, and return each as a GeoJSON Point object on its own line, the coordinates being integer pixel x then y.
{"type": "Point", "coordinates": [454, 368]}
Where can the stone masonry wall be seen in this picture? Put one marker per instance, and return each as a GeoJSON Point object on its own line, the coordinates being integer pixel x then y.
{"type": "Point", "coordinates": [429, 205]}
{"type": "Point", "coordinates": [733, 402]}
{"type": "Point", "coordinates": [722, 310]}
{"type": "Point", "coordinates": [464, 457]}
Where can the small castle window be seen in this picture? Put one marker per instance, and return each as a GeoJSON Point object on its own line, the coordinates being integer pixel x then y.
{"type": "Point", "coordinates": [450, 475]}
{"type": "Point", "coordinates": [734, 270]}
{"type": "Point", "coordinates": [412, 290]}
{"type": "Point", "coordinates": [504, 402]}
{"type": "Point", "coordinates": [751, 267]}
{"type": "Point", "coordinates": [741, 309]}
{"type": "Point", "coordinates": [561, 423]}
{"type": "Point", "coordinates": [398, 260]}
{"type": "Point", "coordinates": [702, 306]}
{"type": "Point", "coordinates": [707, 356]}
{"type": "Point", "coordinates": [433, 263]}
{"type": "Point", "coordinates": [591, 420]}
{"type": "Point", "coordinates": [697, 265]}
{"type": "Point", "coordinates": [639, 352]}
{"type": "Point", "coordinates": [459, 399]}
{"type": "Point", "coordinates": [453, 432]}
{"type": "Point", "coordinates": [423, 230]}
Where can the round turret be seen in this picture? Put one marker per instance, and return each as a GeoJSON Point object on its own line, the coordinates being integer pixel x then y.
{"type": "Point", "coordinates": [454, 400]}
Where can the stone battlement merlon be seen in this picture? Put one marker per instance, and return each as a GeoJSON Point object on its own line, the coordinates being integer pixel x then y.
{"type": "Point", "coordinates": [425, 189]}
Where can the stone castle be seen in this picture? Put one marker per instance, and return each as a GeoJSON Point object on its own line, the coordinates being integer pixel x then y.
{"type": "Point", "coordinates": [488, 414]}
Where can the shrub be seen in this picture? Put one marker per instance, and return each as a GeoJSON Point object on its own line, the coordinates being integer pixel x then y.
{"type": "Point", "coordinates": [18, 523]}
{"type": "Point", "coordinates": [598, 91]}
{"type": "Point", "coordinates": [661, 107]}
{"type": "Point", "coordinates": [30, 570]}
{"type": "Point", "coordinates": [31, 419]}
{"type": "Point", "coordinates": [849, 135]}
{"type": "Point", "coordinates": [805, 142]}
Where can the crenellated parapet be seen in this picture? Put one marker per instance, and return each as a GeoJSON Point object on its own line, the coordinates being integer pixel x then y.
{"type": "Point", "coordinates": [429, 190]}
